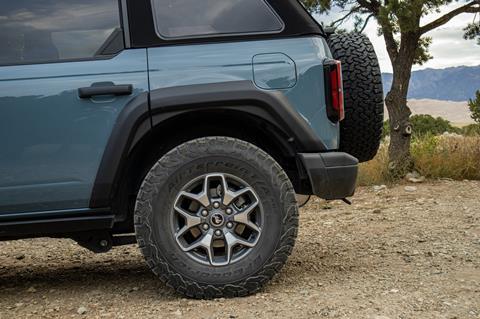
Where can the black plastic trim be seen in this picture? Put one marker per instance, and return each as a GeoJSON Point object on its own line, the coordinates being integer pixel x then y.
{"type": "Point", "coordinates": [57, 223]}
{"type": "Point", "coordinates": [244, 96]}
{"type": "Point", "coordinates": [107, 88]}
{"type": "Point", "coordinates": [332, 175]}
{"type": "Point", "coordinates": [132, 121]}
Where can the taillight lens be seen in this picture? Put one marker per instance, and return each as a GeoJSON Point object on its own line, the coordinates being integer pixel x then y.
{"type": "Point", "coordinates": [334, 90]}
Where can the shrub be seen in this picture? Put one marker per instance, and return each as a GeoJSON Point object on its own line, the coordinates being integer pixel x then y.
{"type": "Point", "coordinates": [428, 125]}
{"type": "Point", "coordinates": [471, 130]}
{"type": "Point", "coordinates": [446, 156]}
{"type": "Point", "coordinates": [474, 106]}
{"type": "Point", "coordinates": [456, 157]}
{"type": "Point", "coordinates": [424, 124]}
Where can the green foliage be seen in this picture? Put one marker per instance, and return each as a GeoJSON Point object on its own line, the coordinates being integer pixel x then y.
{"type": "Point", "coordinates": [453, 157]}
{"type": "Point", "coordinates": [427, 124]}
{"type": "Point", "coordinates": [471, 130]}
{"type": "Point", "coordinates": [399, 20]}
{"type": "Point", "coordinates": [474, 105]}
{"type": "Point", "coordinates": [421, 54]}
{"type": "Point", "coordinates": [472, 31]}
{"type": "Point", "coordinates": [424, 125]}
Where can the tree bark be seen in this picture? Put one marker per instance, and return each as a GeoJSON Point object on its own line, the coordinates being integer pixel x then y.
{"type": "Point", "coordinates": [400, 161]}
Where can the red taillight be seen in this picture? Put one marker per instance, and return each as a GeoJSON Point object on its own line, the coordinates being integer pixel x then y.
{"type": "Point", "coordinates": [334, 90]}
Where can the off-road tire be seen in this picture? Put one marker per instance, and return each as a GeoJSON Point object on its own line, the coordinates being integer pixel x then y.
{"type": "Point", "coordinates": [156, 199]}
{"type": "Point", "coordinates": [361, 130]}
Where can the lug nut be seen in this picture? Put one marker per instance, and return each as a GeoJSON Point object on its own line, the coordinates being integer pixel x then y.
{"type": "Point", "coordinates": [229, 224]}
{"type": "Point", "coordinates": [229, 211]}
{"type": "Point", "coordinates": [204, 213]}
{"type": "Point", "coordinates": [205, 226]}
{"type": "Point", "coordinates": [216, 205]}
{"type": "Point", "coordinates": [218, 232]}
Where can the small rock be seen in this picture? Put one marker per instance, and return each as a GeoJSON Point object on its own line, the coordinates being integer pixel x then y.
{"type": "Point", "coordinates": [31, 289]}
{"type": "Point", "coordinates": [410, 189]}
{"type": "Point", "coordinates": [20, 256]}
{"type": "Point", "coordinates": [379, 188]}
{"type": "Point", "coordinates": [377, 211]}
{"type": "Point", "coordinates": [394, 291]}
{"type": "Point", "coordinates": [415, 177]}
{"type": "Point", "coordinates": [82, 310]}
{"type": "Point", "coordinates": [178, 313]}
{"type": "Point", "coordinates": [19, 304]}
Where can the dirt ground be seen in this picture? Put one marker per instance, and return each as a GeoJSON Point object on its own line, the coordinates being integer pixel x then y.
{"type": "Point", "coordinates": [393, 254]}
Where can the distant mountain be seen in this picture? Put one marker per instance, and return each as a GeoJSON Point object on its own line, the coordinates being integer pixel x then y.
{"type": "Point", "coordinates": [451, 84]}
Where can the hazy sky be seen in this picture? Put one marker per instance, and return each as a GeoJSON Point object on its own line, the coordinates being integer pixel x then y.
{"type": "Point", "coordinates": [448, 47]}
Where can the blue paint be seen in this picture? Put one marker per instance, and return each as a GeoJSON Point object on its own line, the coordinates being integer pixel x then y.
{"type": "Point", "coordinates": [274, 71]}
{"type": "Point", "coordinates": [223, 62]}
{"type": "Point", "coordinates": [52, 141]}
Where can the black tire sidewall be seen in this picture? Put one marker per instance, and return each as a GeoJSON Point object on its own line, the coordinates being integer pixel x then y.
{"type": "Point", "coordinates": [154, 211]}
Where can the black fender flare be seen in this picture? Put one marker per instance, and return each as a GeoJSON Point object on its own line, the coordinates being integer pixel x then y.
{"type": "Point", "coordinates": [149, 110]}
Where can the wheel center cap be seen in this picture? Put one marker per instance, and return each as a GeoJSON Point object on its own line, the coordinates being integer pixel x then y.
{"type": "Point", "coordinates": [217, 219]}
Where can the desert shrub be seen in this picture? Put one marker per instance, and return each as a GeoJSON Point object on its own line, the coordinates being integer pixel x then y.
{"type": "Point", "coordinates": [428, 125]}
{"type": "Point", "coordinates": [448, 156]}
{"type": "Point", "coordinates": [375, 172]}
{"type": "Point", "coordinates": [445, 156]}
{"type": "Point", "coordinates": [474, 105]}
{"type": "Point", "coordinates": [424, 124]}
{"type": "Point", "coordinates": [471, 130]}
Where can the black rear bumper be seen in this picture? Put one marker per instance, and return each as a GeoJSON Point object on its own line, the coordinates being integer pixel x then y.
{"type": "Point", "coordinates": [332, 175]}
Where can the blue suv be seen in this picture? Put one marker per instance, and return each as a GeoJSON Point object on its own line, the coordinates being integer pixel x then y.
{"type": "Point", "coordinates": [187, 127]}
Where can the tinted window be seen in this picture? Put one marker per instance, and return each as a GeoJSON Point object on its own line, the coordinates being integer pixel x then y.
{"type": "Point", "coordinates": [189, 18]}
{"type": "Point", "coordinates": [52, 30]}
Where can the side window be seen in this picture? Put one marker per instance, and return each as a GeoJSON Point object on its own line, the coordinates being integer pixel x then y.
{"type": "Point", "coordinates": [34, 31]}
{"type": "Point", "coordinates": [193, 18]}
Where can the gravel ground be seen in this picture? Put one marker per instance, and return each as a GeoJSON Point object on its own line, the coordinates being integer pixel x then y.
{"type": "Point", "coordinates": [396, 253]}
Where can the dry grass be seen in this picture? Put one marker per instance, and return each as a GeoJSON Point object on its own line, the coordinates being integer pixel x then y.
{"type": "Point", "coordinates": [447, 156]}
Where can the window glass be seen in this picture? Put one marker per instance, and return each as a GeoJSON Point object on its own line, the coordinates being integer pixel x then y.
{"type": "Point", "coordinates": [53, 30]}
{"type": "Point", "coordinates": [190, 18]}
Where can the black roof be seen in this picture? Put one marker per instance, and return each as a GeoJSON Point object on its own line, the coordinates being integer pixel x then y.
{"type": "Point", "coordinates": [297, 20]}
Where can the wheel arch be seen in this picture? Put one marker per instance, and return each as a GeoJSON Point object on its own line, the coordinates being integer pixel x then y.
{"type": "Point", "coordinates": [158, 122]}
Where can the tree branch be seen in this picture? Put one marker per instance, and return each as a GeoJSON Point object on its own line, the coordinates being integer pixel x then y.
{"type": "Point", "coordinates": [366, 23]}
{"type": "Point", "coordinates": [340, 21]}
{"type": "Point", "coordinates": [468, 8]}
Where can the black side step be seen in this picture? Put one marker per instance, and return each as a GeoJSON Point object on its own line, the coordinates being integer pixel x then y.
{"type": "Point", "coordinates": [55, 226]}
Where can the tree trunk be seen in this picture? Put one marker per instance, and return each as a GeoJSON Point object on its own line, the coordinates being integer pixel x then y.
{"type": "Point", "coordinates": [400, 161]}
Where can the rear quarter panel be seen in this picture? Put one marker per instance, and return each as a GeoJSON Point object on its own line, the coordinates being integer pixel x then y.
{"type": "Point", "coordinates": [181, 65]}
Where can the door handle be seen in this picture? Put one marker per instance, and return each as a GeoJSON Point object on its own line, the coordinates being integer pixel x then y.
{"type": "Point", "coordinates": [105, 89]}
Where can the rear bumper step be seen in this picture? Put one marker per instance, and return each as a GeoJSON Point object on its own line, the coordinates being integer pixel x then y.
{"type": "Point", "coordinates": [332, 175]}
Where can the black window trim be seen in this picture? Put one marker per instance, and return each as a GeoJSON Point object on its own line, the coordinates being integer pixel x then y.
{"type": "Point", "coordinates": [124, 23]}
{"type": "Point", "coordinates": [123, 27]}
{"type": "Point", "coordinates": [219, 35]}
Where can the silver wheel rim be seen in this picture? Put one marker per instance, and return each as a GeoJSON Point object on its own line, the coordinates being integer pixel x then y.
{"type": "Point", "coordinates": [217, 219]}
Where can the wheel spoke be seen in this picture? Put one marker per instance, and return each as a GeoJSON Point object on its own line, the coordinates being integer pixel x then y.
{"type": "Point", "coordinates": [243, 217]}
{"type": "Point", "coordinates": [190, 220]}
{"type": "Point", "coordinates": [232, 240]}
{"type": "Point", "coordinates": [229, 197]}
{"type": "Point", "coordinates": [205, 241]}
{"type": "Point", "coordinates": [201, 198]}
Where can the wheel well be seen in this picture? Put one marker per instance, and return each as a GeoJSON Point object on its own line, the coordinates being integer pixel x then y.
{"type": "Point", "coordinates": [169, 134]}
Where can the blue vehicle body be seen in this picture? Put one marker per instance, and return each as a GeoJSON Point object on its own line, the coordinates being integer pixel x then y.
{"type": "Point", "coordinates": [89, 103]}
{"type": "Point", "coordinates": [53, 142]}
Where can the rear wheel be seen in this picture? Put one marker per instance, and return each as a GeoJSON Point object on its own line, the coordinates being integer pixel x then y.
{"type": "Point", "coordinates": [216, 217]}
{"type": "Point", "coordinates": [361, 130]}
